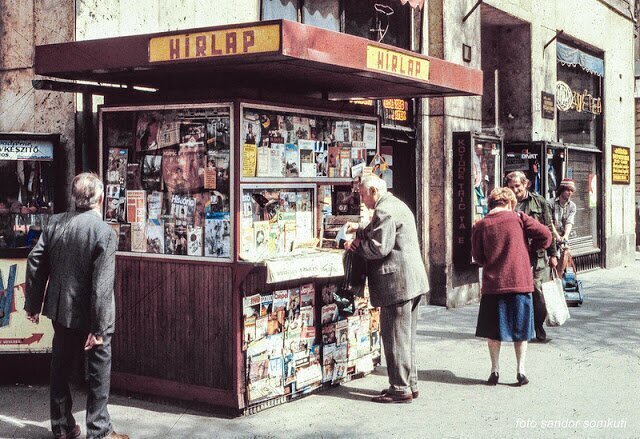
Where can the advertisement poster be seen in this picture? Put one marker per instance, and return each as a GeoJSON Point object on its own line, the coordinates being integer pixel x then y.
{"type": "Point", "coordinates": [17, 334]}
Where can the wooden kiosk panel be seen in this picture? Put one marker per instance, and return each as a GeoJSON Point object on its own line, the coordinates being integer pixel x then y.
{"type": "Point", "coordinates": [173, 321]}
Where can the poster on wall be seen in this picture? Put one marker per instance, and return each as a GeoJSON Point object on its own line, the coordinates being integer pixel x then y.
{"type": "Point", "coordinates": [620, 165]}
{"type": "Point", "coordinates": [17, 333]}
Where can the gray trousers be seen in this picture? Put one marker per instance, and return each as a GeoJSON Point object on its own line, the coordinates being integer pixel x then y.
{"type": "Point", "coordinates": [540, 275]}
{"type": "Point", "coordinates": [398, 324]}
{"type": "Point", "coordinates": [67, 343]}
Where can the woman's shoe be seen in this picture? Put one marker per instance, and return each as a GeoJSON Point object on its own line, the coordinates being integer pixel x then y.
{"type": "Point", "coordinates": [493, 379]}
{"type": "Point", "coordinates": [522, 379]}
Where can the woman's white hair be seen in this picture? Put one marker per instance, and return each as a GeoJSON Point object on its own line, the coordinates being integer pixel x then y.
{"type": "Point", "coordinates": [374, 181]}
{"type": "Point", "coordinates": [86, 190]}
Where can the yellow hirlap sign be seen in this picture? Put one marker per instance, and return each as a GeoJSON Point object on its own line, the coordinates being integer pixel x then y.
{"type": "Point", "coordinates": [398, 63]}
{"type": "Point", "coordinates": [215, 43]}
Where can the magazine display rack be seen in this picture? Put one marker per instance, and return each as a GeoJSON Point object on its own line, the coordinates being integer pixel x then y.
{"type": "Point", "coordinates": [224, 295]}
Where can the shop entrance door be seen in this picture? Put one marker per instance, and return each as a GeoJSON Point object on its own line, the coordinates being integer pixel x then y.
{"type": "Point", "coordinates": [399, 151]}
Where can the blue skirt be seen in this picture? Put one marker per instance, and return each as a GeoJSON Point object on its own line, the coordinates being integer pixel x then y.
{"type": "Point", "coordinates": [506, 317]}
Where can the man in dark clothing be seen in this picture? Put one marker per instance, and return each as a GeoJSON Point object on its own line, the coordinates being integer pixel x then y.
{"type": "Point", "coordinates": [74, 261]}
{"type": "Point", "coordinates": [536, 206]}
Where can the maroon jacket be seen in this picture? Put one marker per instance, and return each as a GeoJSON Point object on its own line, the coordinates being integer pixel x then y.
{"type": "Point", "coordinates": [499, 244]}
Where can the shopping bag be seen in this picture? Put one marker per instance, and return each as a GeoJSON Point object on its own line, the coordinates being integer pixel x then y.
{"type": "Point", "coordinates": [557, 310]}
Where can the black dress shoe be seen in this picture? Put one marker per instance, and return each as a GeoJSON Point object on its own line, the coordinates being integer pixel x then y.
{"type": "Point", "coordinates": [73, 434]}
{"type": "Point", "coordinates": [493, 379]}
{"type": "Point", "coordinates": [390, 398]}
{"type": "Point", "coordinates": [414, 394]}
{"type": "Point", "coordinates": [522, 379]}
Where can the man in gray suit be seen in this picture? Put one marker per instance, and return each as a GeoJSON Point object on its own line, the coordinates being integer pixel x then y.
{"type": "Point", "coordinates": [76, 256]}
{"type": "Point", "coordinates": [397, 281]}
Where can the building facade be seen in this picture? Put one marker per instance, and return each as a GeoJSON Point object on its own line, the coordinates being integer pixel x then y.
{"type": "Point", "coordinates": [557, 102]}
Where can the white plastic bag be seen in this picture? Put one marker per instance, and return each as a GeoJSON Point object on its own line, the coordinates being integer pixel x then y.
{"type": "Point", "coordinates": [557, 310]}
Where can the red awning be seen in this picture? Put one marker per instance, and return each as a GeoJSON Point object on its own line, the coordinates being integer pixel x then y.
{"type": "Point", "coordinates": [277, 55]}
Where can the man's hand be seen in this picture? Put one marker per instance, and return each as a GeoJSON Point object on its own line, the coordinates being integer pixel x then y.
{"type": "Point", "coordinates": [352, 227]}
{"type": "Point", "coordinates": [553, 262]}
{"type": "Point", "coordinates": [352, 245]}
{"type": "Point", "coordinates": [92, 341]}
{"type": "Point", "coordinates": [34, 318]}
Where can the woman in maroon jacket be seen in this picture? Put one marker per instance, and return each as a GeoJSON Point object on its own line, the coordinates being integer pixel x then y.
{"type": "Point", "coordinates": [500, 244]}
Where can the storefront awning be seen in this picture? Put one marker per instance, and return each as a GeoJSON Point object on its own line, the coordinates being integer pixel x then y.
{"type": "Point", "coordinates": [277, 55]}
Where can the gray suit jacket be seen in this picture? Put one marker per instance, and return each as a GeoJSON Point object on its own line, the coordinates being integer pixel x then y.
{"type": "Point", "coordinates": [390, 245]}
{"type": "Point", "coordinates": [76, 255]}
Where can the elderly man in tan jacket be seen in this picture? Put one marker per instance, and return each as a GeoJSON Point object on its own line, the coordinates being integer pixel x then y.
{"type": "Point", "coordinates": [397, 280]}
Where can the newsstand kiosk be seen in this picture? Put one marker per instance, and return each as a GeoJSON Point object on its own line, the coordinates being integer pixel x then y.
{"type": "Point", "coordinates": [226, 186]}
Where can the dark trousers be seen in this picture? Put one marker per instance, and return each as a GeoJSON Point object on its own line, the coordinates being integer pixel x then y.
{"type": "Point", "coordinates": [398, 324]}
{"type": "Point", "coordinates": [67, 343]}
{"type": "Point", "coordinates": [539, 308]}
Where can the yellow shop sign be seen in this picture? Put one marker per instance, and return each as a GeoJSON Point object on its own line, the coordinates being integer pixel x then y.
{"type": "Point", "coordinates": [215, 43]}
{"type": "Point", "coordinates": [398, 63]}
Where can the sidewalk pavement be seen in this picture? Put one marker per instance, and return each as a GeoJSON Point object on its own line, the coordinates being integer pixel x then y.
{"type": "Point", "coordinates": [584, 383]}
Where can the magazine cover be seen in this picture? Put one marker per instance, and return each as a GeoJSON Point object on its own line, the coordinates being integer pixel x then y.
{"type": "Point", "coordinates": [339, 364]}
{"type": "Point", "coordinates": [327, 293]}
{"type": "Point", "coordinates": [280, 300]}
{"type": "Point", "coordinates": [124, 238]}
{"type": "Point", "coordinates": [183, 208]}
{"type": "Point", "coordinates": [329, 313]}
{"type": "Point", "coordinates": [333, 160]}
{"type": "Point", "coordinates": [307, 295]}
{"type": "Point", "coordinates": [168, 134]}
{"type": "Point", "coordinates": [134, 176]}
{"type": "Point", "coordinates": [181, 238]}
{"type": "Point", "coordinates": [261, 326]}
{"type": "Point", "coordinates": [154, 205]}
{"type": "Point", "coordinates": [320, 158]}
{"type": "Point", "coordinates": [251, 305]}
{"type": "Point", "coordinates": [114, 206]}
{"type": "Point", "coordinates": [218, 132]}
{"type": "Point", "coordinates": [147, 126]}
{"type": "Point", "coordinates": [292, 160]}
{"type": "Point", "coordinates": [151, 175]}
{"type": "Point", "coordinates": [192, 133]}
{"type": "Point", "coordinates": [342, 332]}
{"type": "Point", "coordinates": [370, 136]}
{"type": "Point", "coordinates": [169, 235]}
{"type": "Point", "coordinates": [155, 236]}
{"type": "Point", "coordinates": [263, 157]}
{"type": "Point", "coordinates": [343, 131]}
{"type": "Point", "coordinates": [136, 206]}
{"type": "Point", "coordinates": [210, 171]}
{"type": "Point", "coordinates": [249, 331]}
{"type": "Point", "coordinates": [218, 235]}
{"type": "Point", "coordinates": [191, 161]}
{"type": "Point", "coordinates": [328, 351]}
{"type": "Point", "coordinates": [307, 158]}
{"type": "Point", "coordinates": [306, 315]}
{"type": "Point", "coordinates": [276, 160]}
{"type": "Point", "coordinates": [266, 303]}
{"type": "Point", "coordinates": [251, 128]}
{"type": "Point", "coordinates": [117, 166]}
{"type": "Point", "coordinates": [261, 235]}
{"type": "Point", "coordinates": [138, 238]}
{"type": "Point", "coordinates": [329, 334]}
{"type": "Point", "coordinates": [194, 241]}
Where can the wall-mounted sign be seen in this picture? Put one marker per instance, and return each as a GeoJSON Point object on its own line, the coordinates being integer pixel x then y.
{"type": "Point", "coordinates": [620, 165]}
{"type": "Point", "coordinates": [216, 43]}
{"type": "Point", "coordinates": [548, 106]}
{"type": "Point", "coordinates": [580, 101]}
{"type": "Point", "coordinates": [397, 63]}
{"type": "Point", "coordinates": [11, 149]}
{"type": "Point", "coordinates": [461, 198]}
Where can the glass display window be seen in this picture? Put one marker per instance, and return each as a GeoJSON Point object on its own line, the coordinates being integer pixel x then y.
{"type": "Point", "coordinates": [274, 220]}
{"type": "Point", "coordinates": [27, 190]}
{"type": "Point", "coordinates": [485, 175]}
{"type": "Point", "coordinates": [167, 174]}
{"type": "Point", "coordinates": [279, 143]}
{"type": "Point", "coordinates": [526, 157]}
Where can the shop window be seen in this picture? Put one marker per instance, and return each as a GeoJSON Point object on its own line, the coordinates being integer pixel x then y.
{"type": "Point", "coordinates": [485, 175]}
{"type": "Point", "coordinates": [167, 180]}
{"type": "Point", "coordinates": [385, 21]}
{"type": "Point", "coordinates": [579, 102]}
{"type": "Point", "coordinates": [280, 9]}
{"type": "Point", "coordinates": [322, 13]}
{"type": "Point", "coordinates": [581, 167]}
